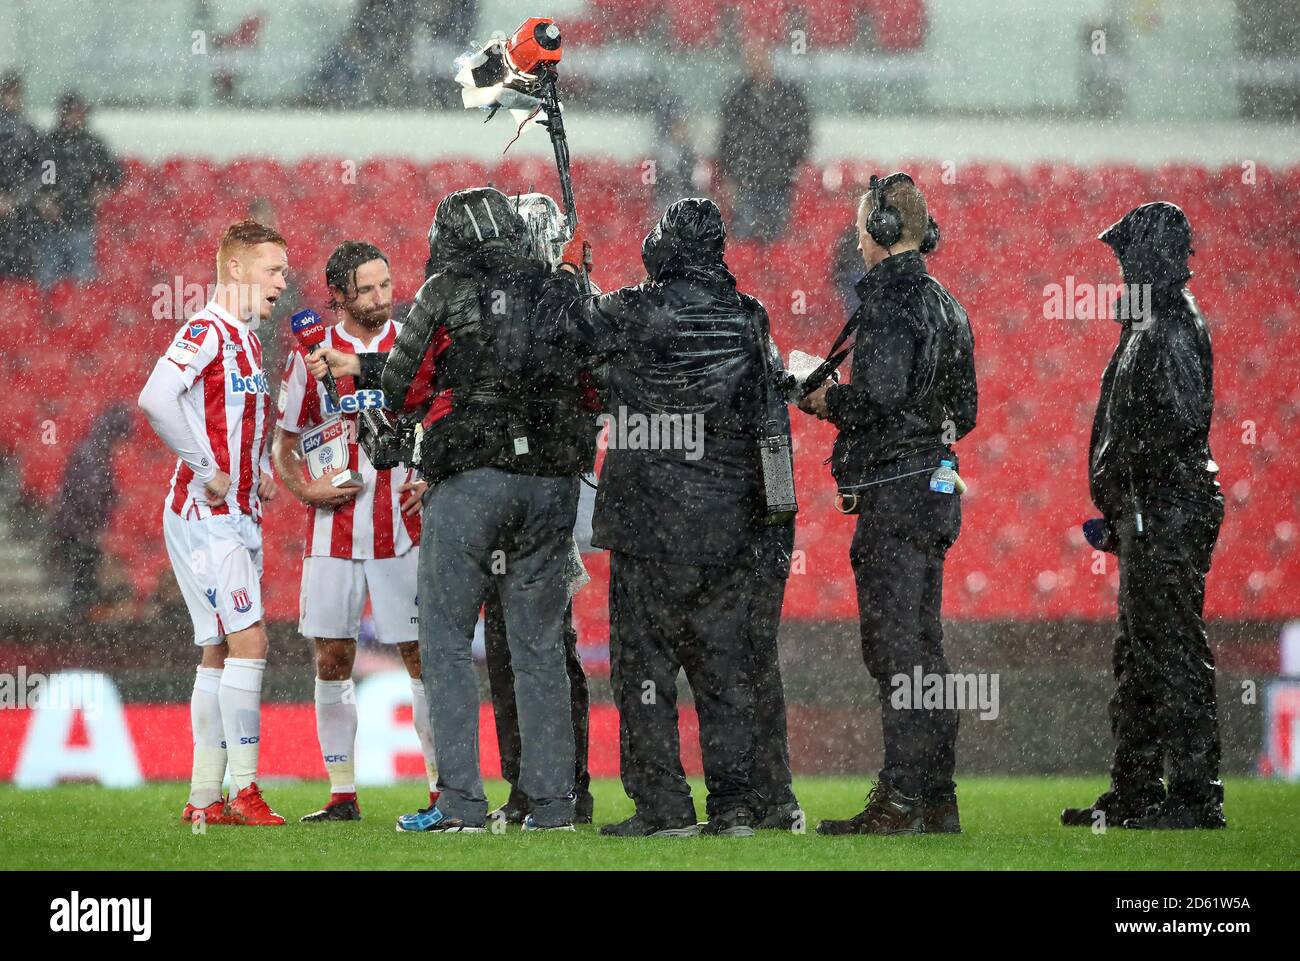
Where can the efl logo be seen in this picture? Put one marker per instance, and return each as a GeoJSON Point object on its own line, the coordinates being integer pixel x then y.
{"type": "Point", "coordinates": [252, 384]}
{"type": "Point", "coordinates": [75, 914]}
{"type": "Point", "coordinates": [355, 403]}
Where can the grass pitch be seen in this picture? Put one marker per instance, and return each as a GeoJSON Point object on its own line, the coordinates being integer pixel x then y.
{"type": "Point", "coordinates": [1010, 823]}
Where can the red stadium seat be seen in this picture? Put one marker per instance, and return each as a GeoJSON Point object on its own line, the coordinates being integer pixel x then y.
{"type": "Point", "coordinates": [255, 177]}
{"type": "Point", "coordinates": [901, 25]}
{"type": "Point", "coordinates": [832, 23]}
{"type": "Point", "coordinates": [697, 23]}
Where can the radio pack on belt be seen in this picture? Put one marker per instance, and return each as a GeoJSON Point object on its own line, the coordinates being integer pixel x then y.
{"type": "Point", "coordinates": [775, 453]}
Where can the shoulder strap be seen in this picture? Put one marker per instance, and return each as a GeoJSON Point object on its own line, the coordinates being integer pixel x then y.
{"type": "Point", "coordinates": [757, 318]}
{"type": "Point", "coordinates": [837, 353]}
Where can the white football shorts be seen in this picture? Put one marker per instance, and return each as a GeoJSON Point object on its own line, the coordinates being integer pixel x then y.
{"type": "Point", "coordinates": [334, 595]}
{"type": "Point", "coordinates": [218, 565]}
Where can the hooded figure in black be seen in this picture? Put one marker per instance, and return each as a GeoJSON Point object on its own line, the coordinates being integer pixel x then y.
{"type": "Point", "coordinates": [1154, 481]}
{"type": "Point", "coordinates": [678, 506]}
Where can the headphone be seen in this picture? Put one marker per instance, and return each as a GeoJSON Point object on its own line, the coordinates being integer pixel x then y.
{"type": "Point", "coordinates": [885, 223]}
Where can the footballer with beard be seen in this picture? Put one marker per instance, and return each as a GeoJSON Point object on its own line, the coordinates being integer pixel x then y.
{"type": "Point", "coordinates": [361, 540]}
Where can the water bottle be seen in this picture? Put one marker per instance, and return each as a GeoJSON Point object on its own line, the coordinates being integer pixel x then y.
{"type": "Point", "coordinates": [944, 479]}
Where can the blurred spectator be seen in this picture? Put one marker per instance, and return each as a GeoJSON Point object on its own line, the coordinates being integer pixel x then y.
{"type": "Point", "coordinates": [899, 26]}
{"type": "Point", "coordinates": [766, 131]}
{"type": "Point", "coordinates": [374, 62]}
{"type": "Point", "coordinates": [85, 505]}
{"type": "Point", "coordinates": [85, 173]}
{"type": "Point", "coordinates": [1268, 34]}
{"type": "Point", "coordinates": [675, 159]}
{"type": "Point", "coordinates": [340, 80]}
{"type": "Point", "coordinates": [20, 172]}
{"type": "Point", "coordinates": [1102, 76]}
{"type": "Point", "coordinates": [445, 33]}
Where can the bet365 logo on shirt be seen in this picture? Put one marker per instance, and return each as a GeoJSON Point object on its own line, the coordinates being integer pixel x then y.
{"type": "Point", "coordinates": [252, 384]}
{"type": "Point", "coordinates": [355, 403]}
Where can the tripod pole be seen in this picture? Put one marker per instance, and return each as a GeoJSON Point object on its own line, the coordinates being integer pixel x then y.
{"type": "Point", "coordinates": [560, 144]}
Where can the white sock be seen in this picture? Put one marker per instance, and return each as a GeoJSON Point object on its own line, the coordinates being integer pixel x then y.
{"type": "Point", "coordinates": [420, 715]}
{"type": "Point", "coordinates": [241, 716]}
{"type": "Point", "coordinates": [209, 738]}
{"type": "Point", "coordinates": [336, 729]}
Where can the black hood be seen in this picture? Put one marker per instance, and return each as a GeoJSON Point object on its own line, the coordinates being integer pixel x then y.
{"type": "Point", "coordinates": [690, 237]}
{"type": "Point", "coordinates": [472, 223]}
{"type": "Point", "coordinates": [1153, 243]}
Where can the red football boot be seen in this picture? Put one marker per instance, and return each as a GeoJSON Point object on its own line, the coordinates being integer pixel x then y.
{"type": "Point", "coordinates": [214, 813]}
{"type": "Point", "coordinates": [250, 808]}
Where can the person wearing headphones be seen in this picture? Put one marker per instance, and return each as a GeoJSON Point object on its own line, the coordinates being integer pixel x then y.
{"type": "Point", "coordinates": [912, 396]}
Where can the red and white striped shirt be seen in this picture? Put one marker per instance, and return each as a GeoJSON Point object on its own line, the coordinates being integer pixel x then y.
{"type": "Point", "coordinates": [227, 404]}
{"type": "Point", "coordinates": [372, 523]}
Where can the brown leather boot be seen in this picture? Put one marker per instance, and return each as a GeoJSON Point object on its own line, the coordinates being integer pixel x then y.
{"type": "Point", "coordinates": [887, 812]}
{"type": "Point", "coordinates": [940, 816]}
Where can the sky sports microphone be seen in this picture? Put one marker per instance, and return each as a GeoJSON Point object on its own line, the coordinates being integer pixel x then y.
{"type": "Point", "coordinates": [309, 330]}
{"type": "Point", "coordinates": [375, 431]}
{"type": "Point", "coordinates": [324, 447]}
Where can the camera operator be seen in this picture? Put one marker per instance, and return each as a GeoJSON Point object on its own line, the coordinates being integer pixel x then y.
{"type": "Point", "coordinates": [502, 449]}
{"type": "Point", "coordinates": [546, 230]}
{"type": "Point", "coordinates": [682, 521]}
{"type": "Point", "coordinates": [1153, 478]}
{"type": "Point", "coordinates": [911, 397]}
{"type": "Point", "coordinates": [368, 371]}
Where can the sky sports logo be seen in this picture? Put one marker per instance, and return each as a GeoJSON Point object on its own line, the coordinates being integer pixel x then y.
{"type": "Point", "coordinates": [252, 384]}
{"type": "Point", "coordinates": [78, 915]}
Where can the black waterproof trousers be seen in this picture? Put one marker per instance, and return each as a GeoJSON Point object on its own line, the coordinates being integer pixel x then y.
{"type": "Point", "coordinates": [903, 533]}
{"type": "Point", "coordinates": [771, 779]}
{"type": "Point", "coordinates": [664, 618]}
{"type": "Point", "coordinates": [1164, 706]}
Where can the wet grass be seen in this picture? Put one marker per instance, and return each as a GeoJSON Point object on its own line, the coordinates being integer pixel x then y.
{"type": "Point", "coordinates": [1010, 824]}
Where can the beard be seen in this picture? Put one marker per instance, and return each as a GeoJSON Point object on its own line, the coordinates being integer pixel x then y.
{"type": "Point", "coordinates": [374, 317]}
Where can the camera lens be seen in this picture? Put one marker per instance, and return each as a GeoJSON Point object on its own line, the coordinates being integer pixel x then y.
{"type": "Point", "coordinates": [547, 36]}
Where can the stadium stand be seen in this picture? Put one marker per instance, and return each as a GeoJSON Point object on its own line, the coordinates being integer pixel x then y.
{"type": "Point", "coordinates": [1009, 232]}
{"type": "Point", "coordinates": [897, 27]}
